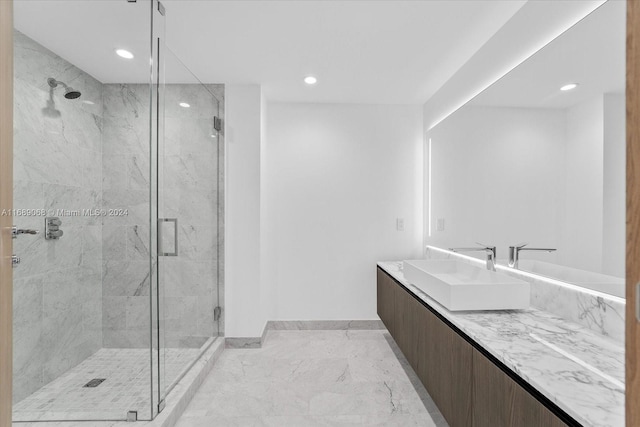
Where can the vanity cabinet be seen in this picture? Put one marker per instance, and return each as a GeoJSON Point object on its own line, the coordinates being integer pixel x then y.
{"type": "Point", "coordinates": [468, 388]}
{"type": "Point", "coordinates": [444, 364]}
{"type": "Point", "coordinates": [500, 401]}
{"type": "Point", "coordinates": [386, 300]}
{"type": "Point", "coordinates": [444, 368]}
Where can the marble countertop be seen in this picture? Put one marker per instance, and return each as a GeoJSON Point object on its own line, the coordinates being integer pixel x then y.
{"type": "Point", "coordinates": [579, 370]}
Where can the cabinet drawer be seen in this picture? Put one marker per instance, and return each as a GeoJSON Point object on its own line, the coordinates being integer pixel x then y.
{"type": "Point", "coordinates": [445, 368]}
{"type": "Point", "coordinates": [386, 300]}
{"type": "Point", "coordinates": [498, 401]}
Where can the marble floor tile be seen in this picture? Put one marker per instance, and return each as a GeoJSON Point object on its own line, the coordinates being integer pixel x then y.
{"type": "Point", "coordinates": [314, 378]}
{"type": "Point", "coordinates": [126, 387]}
{"type": "Point", "coordinates": [398, 420]}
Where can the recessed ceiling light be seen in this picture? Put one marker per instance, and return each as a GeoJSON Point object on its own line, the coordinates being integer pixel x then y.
{"type": "Point", "coordinates": [310, 80]}
{"type": "Point", "coordinates": [569, 86]}
{"type": "Point", "coordinates": [124, 54]}
{"type": "Point", "coordinates": [184, 105]}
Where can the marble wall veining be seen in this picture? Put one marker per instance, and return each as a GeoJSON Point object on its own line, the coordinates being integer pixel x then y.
{"type": "Point", "coordinates": [603, 314]}
{"type": "Point", "coordinates": [58, 286]}
{"type": "Point", "coordinates": [125, 244]}
{"type": "Point", "coordinates": [188, 191]}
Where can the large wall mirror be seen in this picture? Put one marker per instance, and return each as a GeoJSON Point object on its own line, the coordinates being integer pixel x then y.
{"type": "Point", "coordinates": [532, 160]}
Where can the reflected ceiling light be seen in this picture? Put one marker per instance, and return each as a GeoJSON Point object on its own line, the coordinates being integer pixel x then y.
{"type": "Point", "coordinates": [88, 102]}
{"type": "Point", "coordinates": [310, 80]}
{"type": "Point", "coordinates": [184, 105]}
{"type": "Point", "coordinates": [569, 86]}
{"type": "Point", "coordinates": [122, 53]}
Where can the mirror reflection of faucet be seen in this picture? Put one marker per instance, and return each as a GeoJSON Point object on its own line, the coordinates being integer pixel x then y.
{"type": "Point", "coordinates": [514, 253]}
{"type": "Point", "coordinates": [489, 250]}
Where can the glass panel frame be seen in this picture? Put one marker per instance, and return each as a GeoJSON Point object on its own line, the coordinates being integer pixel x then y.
{"type": "Point", "coordinates": [157, 137]}
{"type": "Point", "coordinates": [188, 170]}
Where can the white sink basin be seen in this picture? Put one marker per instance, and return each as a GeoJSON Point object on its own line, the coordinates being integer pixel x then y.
{"type": "Point", "coordinates": [460, 286]}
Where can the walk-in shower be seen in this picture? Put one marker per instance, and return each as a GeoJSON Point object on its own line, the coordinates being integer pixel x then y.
{"type": "Point", "coordinates": [117, 296]}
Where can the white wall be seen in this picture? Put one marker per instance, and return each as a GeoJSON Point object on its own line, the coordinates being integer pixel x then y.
{"type": "Point", "coordinates": [244, 311]}
{"type": "Point", "coordinates": [582, 226]}
{"type": "Point", "coordinates": [337, 177]}
{"type": "Point", "coordinates": [496, 178]}
{"type": "Point", "coordinates": [268, 272]}
{"type": "Point", "coordinates": [614, 215]}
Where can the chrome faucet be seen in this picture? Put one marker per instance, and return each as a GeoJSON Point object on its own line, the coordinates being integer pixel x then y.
{"type": "Point", "coordinates": [514, 253]}
{"type": "Point", "coordinates": [490, 251]}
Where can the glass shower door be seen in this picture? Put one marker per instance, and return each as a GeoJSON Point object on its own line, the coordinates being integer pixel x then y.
{"type": "Point", "coordinates": [82, 316]}
{"type": "Point", "coordinates": [188, 220]}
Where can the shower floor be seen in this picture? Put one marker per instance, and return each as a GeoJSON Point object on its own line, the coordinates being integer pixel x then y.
{"type": "Point", "coordinates": [126, 387]}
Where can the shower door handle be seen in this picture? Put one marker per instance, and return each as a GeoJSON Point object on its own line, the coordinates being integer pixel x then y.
{"type": "Point", "coordinates": [15, 231]}
{"type": "Point", "coordinates": [161, 221]}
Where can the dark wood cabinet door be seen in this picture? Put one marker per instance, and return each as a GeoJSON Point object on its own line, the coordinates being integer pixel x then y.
{"type": "Point", "coordinates": [498, 401]}
{"type": "Point", "coordinates": [441, 358]}
{"type": "Point", "coordinates": [445, 368]}
{"type": "Point", "coordinates": [407, 324]}
{"type": "Point", "coordinates": [386, 299]}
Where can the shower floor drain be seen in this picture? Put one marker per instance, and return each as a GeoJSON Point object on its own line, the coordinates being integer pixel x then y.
{"type": "Point", "coordinates": [94, 382]}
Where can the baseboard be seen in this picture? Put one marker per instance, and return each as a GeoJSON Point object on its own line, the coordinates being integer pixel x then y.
{"type": "Point", "coordinates": [313, 325]}
{"type": "Point", "coordinates": [302, 325]}
{"type": "Point", "coordinates": [247, 342]}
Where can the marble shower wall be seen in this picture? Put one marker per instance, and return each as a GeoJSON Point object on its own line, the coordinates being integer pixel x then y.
{"type": "Point", "coordinates": [189, 192]}
{"type": "Point", "coordinates": [125, 243]}
{"type": "Point", "coordinates": [57, 157]}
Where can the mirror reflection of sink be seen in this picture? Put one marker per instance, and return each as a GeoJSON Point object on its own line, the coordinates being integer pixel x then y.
{"type": "Point", "coordinates": [598, 282]}
{"type": "Point", "coordinates": [460, 286]}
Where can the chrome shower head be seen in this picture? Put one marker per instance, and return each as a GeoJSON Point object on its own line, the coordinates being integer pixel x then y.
{"type": "Point", "coordinates": [69, 93]}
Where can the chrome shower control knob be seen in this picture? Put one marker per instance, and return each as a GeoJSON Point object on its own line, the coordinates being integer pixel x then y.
{"type": "Point", "coordinates": [54, 222]}
{"type": "Point", "coordinates": [55, 234]}
{"type": "Point", "coordinates": [15, 260]}
{"type": "Point", "coordinates": [52, 228]}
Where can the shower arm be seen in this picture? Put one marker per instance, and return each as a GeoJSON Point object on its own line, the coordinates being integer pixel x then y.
{"type": "Point", "coordinates": [53, 83]}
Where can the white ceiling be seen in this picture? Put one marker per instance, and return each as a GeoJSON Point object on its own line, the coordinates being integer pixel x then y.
{"type": "Point", "coordinates": [591, 53]}
{"type": "Point", "coordinates": [87, 32]}
{"type": "Point", "coordinates": [387, 52]}
{"type": "Point", "coordinates": [361, 51]}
